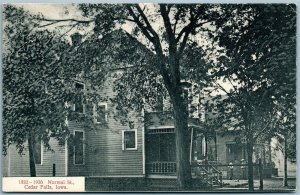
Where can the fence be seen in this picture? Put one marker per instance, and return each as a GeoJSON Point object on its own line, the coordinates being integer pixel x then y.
{"type": "Point", "coordinates": [232, 171]}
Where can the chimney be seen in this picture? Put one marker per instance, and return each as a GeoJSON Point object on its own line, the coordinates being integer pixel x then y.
{"type": "Point", "coordinates": [76, 39]}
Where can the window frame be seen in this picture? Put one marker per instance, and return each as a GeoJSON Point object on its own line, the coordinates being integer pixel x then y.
{"type": "Point", "coordinates": [123, 139]}
{"type": "Point", "coordinates": [83, 148]}
{"type": "Point", "coordinates": [95, 113]}
{"type": "Point", "coordinates": [84, 92]}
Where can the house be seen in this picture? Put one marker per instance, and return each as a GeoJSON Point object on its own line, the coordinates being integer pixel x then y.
{"type": "Point", "coordinates": [144, 148]}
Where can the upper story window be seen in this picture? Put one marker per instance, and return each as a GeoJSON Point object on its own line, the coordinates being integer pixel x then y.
{"type": "Point", "coordinates": [100, 112]}
{"type": "Point", "coordinates": [159, 107]}
{"type": "Point", "coordinates": [129, 140]}
{"type": "Point", "coordinates": [79, 90]}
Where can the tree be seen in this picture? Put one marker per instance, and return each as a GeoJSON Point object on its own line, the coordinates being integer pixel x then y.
{"type": "Point", "coordinates": [37, 83]}
{"type": "Point", "coordinates": [167, 30]}
{"type": "Point", "coordinates": [258, 62]}
{"type": "Point", "coordinates": [286, 131]}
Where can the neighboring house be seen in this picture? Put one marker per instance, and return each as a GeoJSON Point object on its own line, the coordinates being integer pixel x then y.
{"type": "Point", "coordinates": [278, 159]}
{"type": "Point", "coordinates": [143, 149]}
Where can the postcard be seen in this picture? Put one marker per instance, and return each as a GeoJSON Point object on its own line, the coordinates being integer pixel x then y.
{"type": "Point", "coordinates": [149, 97]}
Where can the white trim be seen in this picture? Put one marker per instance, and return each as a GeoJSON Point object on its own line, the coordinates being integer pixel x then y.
{"type": "Point", "coordinates": [95, 111]}
{"type": "Point", "coordinates": [42, 153]}
{"type": "Point", "coordinates": [83, 163]}
{"type": "Point", "coordinates": [161, 127]}
{"type": "Point", "coordinates": [143, 145]}
{"type": "Point", "coordinates": [169, 126]}
{"type": "Point", "coordinates": [66, 158]}
{"type": "Point", "coordinates": [162, 176]}
{"type": "Point", "coordinates": [8, 166]}
{"type": "Point", "coordinates": [191, 144]}
{"type": "Point", "coordinates": [123, 139]}
{"type": "Point", "coordinates": [114, 176]}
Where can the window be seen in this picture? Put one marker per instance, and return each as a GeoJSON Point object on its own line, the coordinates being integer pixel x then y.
{"type": "Point", "coordinates": [38, 151]}
{"type": "Point", "coordinates": [78, 148]}
{"type": "Point", "coordinates": [159, 107]}
{"type": "Point", "coordinates": [129, 139]}
{"type": "Point", "coordinates": [79, 90]}
{"type": "Point", "coordinates": [234, 152]}
{"type": "Point", "coordinates": [100, 112]}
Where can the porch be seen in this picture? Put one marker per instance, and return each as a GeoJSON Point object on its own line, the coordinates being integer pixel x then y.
{"type": "Point", "coordinates": [161, 156]}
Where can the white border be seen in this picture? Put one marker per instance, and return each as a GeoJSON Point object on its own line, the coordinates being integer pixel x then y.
{"type": "Point", "coordinates": [123, 139]}
{"type": "Point", "coordinates": [95, 114]}
{"type": "Point", "coordinates": [84, 91]}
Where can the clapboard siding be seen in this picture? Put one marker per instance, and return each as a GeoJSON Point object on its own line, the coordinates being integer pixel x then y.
{"type": "Point", "coordinates": [103, 152]}
{"type": "Point", "coordinates": [5, 165]}
{"type": "Point", "coordinates": [19, 164]}
{"type": "Point", "coordinates": [103, 147]}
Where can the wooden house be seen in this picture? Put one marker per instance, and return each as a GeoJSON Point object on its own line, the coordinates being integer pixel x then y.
{"type": "Point", "coordinates": [143, 149]}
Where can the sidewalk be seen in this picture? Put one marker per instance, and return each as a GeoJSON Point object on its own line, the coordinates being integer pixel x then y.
{"type": "Point", "coordinates": [270, 185]}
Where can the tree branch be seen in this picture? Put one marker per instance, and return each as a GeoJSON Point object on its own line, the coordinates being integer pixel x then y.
{"type": "Point", "coordinates": [154, 34]}
{"type": "Point", "coordinates": [187, 32]}
{"type": "Point", "coordinates": [155, 41]}
{"type": "Point", "coordinates": [140, 25]}
{"type": "Point", "coordinates": [167, 23]}
{"type": "Point", "coordinates": [68, 20]}
{"type": "Point", "coordinates": [263, 129]}
{"type": "Point", "coordinates": [176, 20]}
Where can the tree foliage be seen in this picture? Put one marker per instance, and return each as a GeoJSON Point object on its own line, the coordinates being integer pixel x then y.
{"type": "Point", "coordinates": [40, 68]}
{"type": "Point", "coordinates": [32, 80]}
{"type": "Point", "coordinates": [258, 63]}
{"type": "Point", "coordinates": [170, 32]}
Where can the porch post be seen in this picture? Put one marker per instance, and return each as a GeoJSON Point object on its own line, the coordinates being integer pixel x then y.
{"type": "Point", "coordinates": [216, 147]}
{"type": "Point", "coordinates": [191, 144]}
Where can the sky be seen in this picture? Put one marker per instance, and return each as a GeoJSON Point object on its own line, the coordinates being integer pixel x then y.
{"type": "Point", "coordinates": [66, 11]}
{"type": "Point", "coordinates": [53, 11]}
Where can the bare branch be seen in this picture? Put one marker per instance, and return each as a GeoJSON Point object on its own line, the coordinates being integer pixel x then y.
{"type": "Point", "coordinates": [176, 20]}
{"type": "Point", "coordinates": [152, 31]}
{"type": "Point", "coordinates": [140, 24]}
{"type": "Point", "coordinates": [167, 23]}
{"type": "Point", "coordinates": [68, 20]}
{"type": "Point", "coordinates": [187, 31]}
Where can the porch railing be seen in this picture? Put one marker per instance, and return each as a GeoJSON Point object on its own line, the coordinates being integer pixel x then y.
{"type": "Point", "coordinates": [161, 168]}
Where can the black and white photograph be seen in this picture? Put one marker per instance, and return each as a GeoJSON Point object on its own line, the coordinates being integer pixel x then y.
{"type": "Point", "coordinates": [149, 97]}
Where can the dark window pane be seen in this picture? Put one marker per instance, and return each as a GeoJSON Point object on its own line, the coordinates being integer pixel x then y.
{"type": "Point", "coordinates": [159, 102]}
{"type": "Point", "coordinates": [101, 113]}
{"type": "Point", "coordinates": [172, 147]}
{"type": "Point", "coordinates": [37, 151]}
{"type": "Point", "coordinates": [79, 86]}
{"type": "Point", "coordinates": [78, 99]}
{"type": "Point", "coordinates": [129, 139]}
{"type": "Point", "coordinates": [78, 142]}
{"type": "Point", "coordinates": [152, 147]}
{"type": "Point", "coordinates": [167, 147]}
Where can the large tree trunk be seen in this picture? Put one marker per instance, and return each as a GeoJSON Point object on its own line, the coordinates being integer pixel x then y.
{"type": "Point", "coordinates": [182, 143]}
{"type": "Point", "coordinates": [250, 164]}
{"type": "Point", "coordinates": [285, 179]}
{"type": "Point", "coordinates": [31, 155]}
